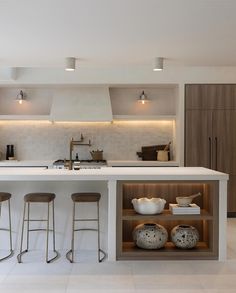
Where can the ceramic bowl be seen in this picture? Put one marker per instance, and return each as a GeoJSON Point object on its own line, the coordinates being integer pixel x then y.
{"type": "Point", "coordinates": [183, 201]}
{"type": "Point", "coordinates": [148, 206]}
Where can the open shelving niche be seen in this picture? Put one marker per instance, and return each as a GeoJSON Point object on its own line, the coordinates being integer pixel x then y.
{"type": "Point", "coordinates": [206, 222]}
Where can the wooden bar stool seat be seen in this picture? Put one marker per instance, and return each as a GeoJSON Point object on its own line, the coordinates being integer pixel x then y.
{"type": "Point", "coordinates": [85, 197]}
{"type": "Point", "coordinates": [33, 198]}
{"type": "Point", "coordinates": [39, 197]}
{"type": "Point", "coordinates": [5, 196]}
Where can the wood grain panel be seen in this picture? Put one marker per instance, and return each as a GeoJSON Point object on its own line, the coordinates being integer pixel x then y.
{"type": "Point", "coordinates": [224, 141]}
{"type": "Point", "coordinates": [210, 96]}
{"type": "Point", "coordinates": [198, 141]}
{"type": "Point", "coordinates": [231, 199]}
{"type": "Point", "coordinates": [168, 191]}
{"type": "Point", "coordinates": [206, 223]}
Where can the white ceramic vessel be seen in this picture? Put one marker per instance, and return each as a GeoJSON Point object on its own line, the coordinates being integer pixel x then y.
{"type": "Point", "coordinates": [148, 206]}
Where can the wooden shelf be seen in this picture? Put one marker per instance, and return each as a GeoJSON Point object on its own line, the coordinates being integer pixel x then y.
{"type": "Point", "coordinates": [131, 215]}
{"type": "Point", "coordinates": [206, 222]}
{"type": "Point", "coordinates": [130, 251]}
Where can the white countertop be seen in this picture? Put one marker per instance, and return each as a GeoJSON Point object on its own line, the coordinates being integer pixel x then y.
{"type": "Point", "coordinates": [116, 163]}
{"type": "Point", "coordinates": [110, 173]}
{"type": "Point", "coordinates": [110, 163]}
{"type": "Point", "coordinates": [16, 163]}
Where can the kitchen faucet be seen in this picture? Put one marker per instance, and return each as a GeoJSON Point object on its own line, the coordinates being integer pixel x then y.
{"type": "Point", "coordinates": [72, 144]}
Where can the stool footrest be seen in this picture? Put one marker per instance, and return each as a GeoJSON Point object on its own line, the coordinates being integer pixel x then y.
{"type": "Point", "coordinates": [5, 229]}
{"type": "Point", "coordinates": [34, 220]}
{"type": "Point", "coordinates": [84, 220]}
{"type": "Point", "coordinates": [34, 230]}
{"type": "Point", "coordinates": [86, 229]}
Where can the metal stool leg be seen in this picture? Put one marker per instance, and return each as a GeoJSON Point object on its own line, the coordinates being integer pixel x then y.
{"type": "Point", "coordinates": [98, 233]}
{"type": "Point", "coordinates": [28, 228]}
{"type": "Point", "coordinates": [53, 234]}
{"type": "Point", "coordinates": [10, 232]}
{"type": "Point", "coordinates": [47, 235]}
{"type": "Point", "coordinates": [22, 236]}
{"type": "Point", "coordinates": [9, 212]}
{"type": "Point", "coordinates": [99, 249]}
{"type": "Point", "coordinates": [19, 256]}
{"type": "Point", "coordinates": [73, 235]}
{"type": "Point", "coordinates": [71, 251]}
{"type": "Point", "coordinates": [53, 227]}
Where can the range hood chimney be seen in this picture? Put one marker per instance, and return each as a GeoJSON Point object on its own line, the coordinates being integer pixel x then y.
{"type": "Point", "coordinates": [81, 104]}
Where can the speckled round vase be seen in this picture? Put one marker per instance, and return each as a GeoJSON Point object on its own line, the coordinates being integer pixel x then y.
{"type": "Point", "coordinates": [184, 236]}
{"type": "Point", "coordinates": [150, 236]}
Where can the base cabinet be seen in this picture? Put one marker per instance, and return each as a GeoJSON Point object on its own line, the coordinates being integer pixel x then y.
{"type": "Point", "coordinates": [206, 222]}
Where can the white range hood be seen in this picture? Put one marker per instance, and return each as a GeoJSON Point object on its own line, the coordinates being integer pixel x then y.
{"type": "Point", "coordinates": [81, 104]}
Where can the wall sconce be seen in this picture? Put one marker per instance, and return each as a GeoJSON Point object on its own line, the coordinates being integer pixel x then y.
{"type": "Point", "coordinates": [158, 64]}
{"type": "Point", "coordinates": [143, 98]}
{"type": "Point", "coordinates": [70, 64]}
{"type": "Point", "coordinates": [20, 97]}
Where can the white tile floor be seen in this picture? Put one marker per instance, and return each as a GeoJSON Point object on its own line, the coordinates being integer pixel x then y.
{"type": "Point", "coordinates": [127, 277]}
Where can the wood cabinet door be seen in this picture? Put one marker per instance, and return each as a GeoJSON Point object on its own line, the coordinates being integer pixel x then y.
{"type": "Point", "coordinates": [198, 141]}
{"type": "Point", "coordinates": [231, 198]}
{"type": "Point", "coordinates": [224, 141]}
{"type": "Point", "coordinates": [210, 96]}
{"type": "Point", "coordinates": [200, 96]}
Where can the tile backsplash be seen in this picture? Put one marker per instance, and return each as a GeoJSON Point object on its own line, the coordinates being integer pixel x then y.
{"type": "Point", "coordinates": [50, 141]}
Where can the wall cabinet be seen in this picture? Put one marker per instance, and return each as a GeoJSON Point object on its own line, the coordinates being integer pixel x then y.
{"type": "Point", "coordinates": [206, 223]}
{"type": "Point", "coordinates": [210, 96]}
{"type": "Point", "coordinates": [210, 139]}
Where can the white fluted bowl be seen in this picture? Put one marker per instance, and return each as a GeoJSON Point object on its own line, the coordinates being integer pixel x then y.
{"type": "Point", "coordinates": [148, 206]}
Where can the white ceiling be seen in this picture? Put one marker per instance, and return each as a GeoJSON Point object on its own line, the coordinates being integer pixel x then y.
{"type": "Point", "coordinates": [117, 33]}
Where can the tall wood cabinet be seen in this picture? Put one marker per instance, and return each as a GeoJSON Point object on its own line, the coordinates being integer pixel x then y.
{"type": "Point", "coordinates": [210, 131]}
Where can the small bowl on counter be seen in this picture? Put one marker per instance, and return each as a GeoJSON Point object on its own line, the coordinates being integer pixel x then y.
{"type": "Point", "coordinates": [148, 206]}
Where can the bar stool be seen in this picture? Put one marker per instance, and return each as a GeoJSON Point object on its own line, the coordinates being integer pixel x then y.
{"type": "Point", "coordinates": [4, 196]}
{"type": "Point", "coordinates": [85, 197]}
{"type": "Point", "coordinates": [38, 198]}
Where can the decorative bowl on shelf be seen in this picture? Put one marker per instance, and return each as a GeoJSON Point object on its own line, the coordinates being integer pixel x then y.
{"type": "Point", "coordinates": [150, 236]}
{"type": "Point", "coordinates": [148, 206]}
{"type": "Point", "coordinates": [185, 201]}
{"type": "Point", "coordinates": [184, 236]}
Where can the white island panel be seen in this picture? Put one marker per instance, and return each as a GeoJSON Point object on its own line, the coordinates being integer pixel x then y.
{"type": "Point", "coordinates": [20, 181]}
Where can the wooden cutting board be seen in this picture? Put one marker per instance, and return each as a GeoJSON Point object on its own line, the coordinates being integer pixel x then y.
{"type": "Point", "coordinates": [149, 153]}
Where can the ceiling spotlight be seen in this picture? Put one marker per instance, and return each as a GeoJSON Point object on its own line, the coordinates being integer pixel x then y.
{"type": "Point", "coordinates": [158, 64]}
{"type": "Point", "coordinates": [20, 97]}
{"type": "Point", "coordinates": [143, 98]}
{"type": "Point", "coordinates": [70, 64]}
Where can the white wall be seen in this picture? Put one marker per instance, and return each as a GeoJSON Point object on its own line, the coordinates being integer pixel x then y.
{"type": "Point", "coordinates": [133, 75]}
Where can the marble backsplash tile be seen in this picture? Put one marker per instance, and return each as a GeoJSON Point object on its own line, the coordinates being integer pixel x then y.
{"type": "Point", "coordinates": [118, 140]}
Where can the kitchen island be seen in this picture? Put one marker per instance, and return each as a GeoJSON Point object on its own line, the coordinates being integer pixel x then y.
{"type": "Point", "coordinates": [117, 183]}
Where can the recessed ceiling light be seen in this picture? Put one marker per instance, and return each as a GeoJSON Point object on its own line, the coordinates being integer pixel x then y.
{"type": "Point", "coordinates": [158, 64]}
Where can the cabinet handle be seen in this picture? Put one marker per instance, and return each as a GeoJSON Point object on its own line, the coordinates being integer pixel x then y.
{"type": "Point", "coordinates": [209, 152]}
{"type": "Point", "coordinates": [216, 142]}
